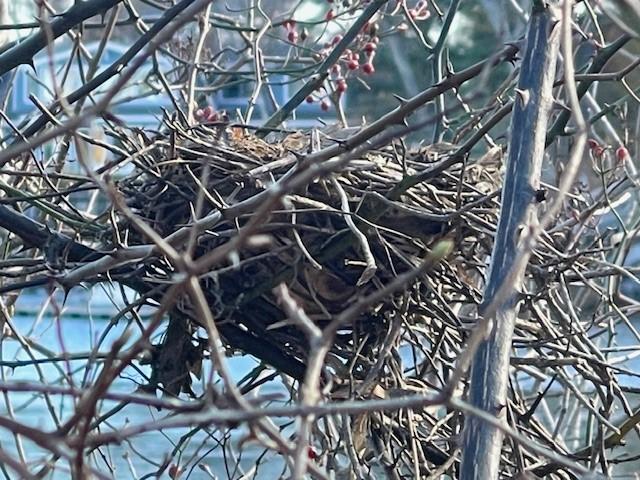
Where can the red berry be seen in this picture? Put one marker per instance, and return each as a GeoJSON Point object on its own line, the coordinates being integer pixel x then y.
{"type": "Point", "coordinates": [174, 471]}
{"type": "Point", "coordinates": [207, 111]}
{"type": "Point", "coordinates": [622, 153]}
{"type": "Point", "coordinates": [293, 36]}
{"type": "Point", "coordinates": [336, 40]}
{"type": "Point", "coordinates": [324, 105]}
{"type": "Point", "coordinates": [596, 149]}
{"type": "Point", "coordinates": [368, 69]}
{"type": "Point", "coordinates": [330, 14]}
{"type": "Point", "coordinates": [370, 47]}
{"type": "Point", "coordinates": [311, 453]}
{"type": "Point", "coordinates": [353, 65]}
{"type": "Point", "coordinates": [341, 86]}
{"type": "Point", "coordinates": [309, 99]}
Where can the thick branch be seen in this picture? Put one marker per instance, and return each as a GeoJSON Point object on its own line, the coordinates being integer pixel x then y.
{"type": "Point", "coordinates": [34, 234]}
{"type": "Point", "coordinates": [23, 52]}
{"type": "Point", "coordinates": [489, 372]}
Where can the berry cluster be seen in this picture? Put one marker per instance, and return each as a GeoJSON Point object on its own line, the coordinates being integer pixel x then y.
{"type": "Point", "coordinates": [349, 63]}
{"type": "Point", "coordinates": [597, 151]}
{"type": "Point", "coordinates": [208, 115]}
{"type": "Point", "coordinates": [357, 59]}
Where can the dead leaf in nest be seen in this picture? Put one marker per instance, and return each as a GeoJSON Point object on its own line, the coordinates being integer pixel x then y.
{"type": "Point", "coordinates": [360, 429]}
{"type": "Point", "coordinates": [493, 157]}
{"type": "Point", "coordinates": [236, 134]}
{"type": "Point", "coordinates": [246, 142]}
{"type": "Point", "coordinates": [328, 286]}
{"type": "Point", "coordinates": [295, 142]}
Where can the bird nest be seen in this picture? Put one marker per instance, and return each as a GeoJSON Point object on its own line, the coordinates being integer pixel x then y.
{"type": "Point", "coordinates": [383, 252]}
{"type": "Point", "coordinates": [332, 242]}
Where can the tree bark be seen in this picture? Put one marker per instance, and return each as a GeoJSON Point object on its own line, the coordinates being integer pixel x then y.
{"type": "Point", "coordinates": [482, 443]}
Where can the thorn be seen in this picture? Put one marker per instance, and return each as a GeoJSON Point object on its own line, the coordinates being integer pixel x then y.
{"type": "Point", "coordinates": [561, 106]}
{"type": "Point", "coordinates": [448, 66]}
{"type": "Point", "coordinates": [516, 43]}
{"type": "Point", "coordinates": [403, 122]}
{"type": "Point", "coordinates": [524, 96]}
{"type": "Point", "coordinates": [65, 290]}
{"type": "Point", "coordinates": [449, 71]}
{"type": "Point", "coordinates": [400, 99]}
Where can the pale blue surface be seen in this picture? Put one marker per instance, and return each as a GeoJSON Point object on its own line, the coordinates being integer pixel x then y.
{"type": "Point", "coordinates": [82, 322]}
{"type": "Point", "coordinates": [78, 335]}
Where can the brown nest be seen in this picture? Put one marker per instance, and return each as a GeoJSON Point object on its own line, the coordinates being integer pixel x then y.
{"type": "Point", "coordinates": [332, 242]}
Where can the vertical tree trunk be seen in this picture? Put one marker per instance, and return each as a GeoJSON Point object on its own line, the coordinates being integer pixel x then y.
{"type": "Point", "coordinates": [482, 443]}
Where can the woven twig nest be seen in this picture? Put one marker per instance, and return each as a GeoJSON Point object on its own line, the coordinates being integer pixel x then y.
{"type": "Point", "coordinates": [332, 242]}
